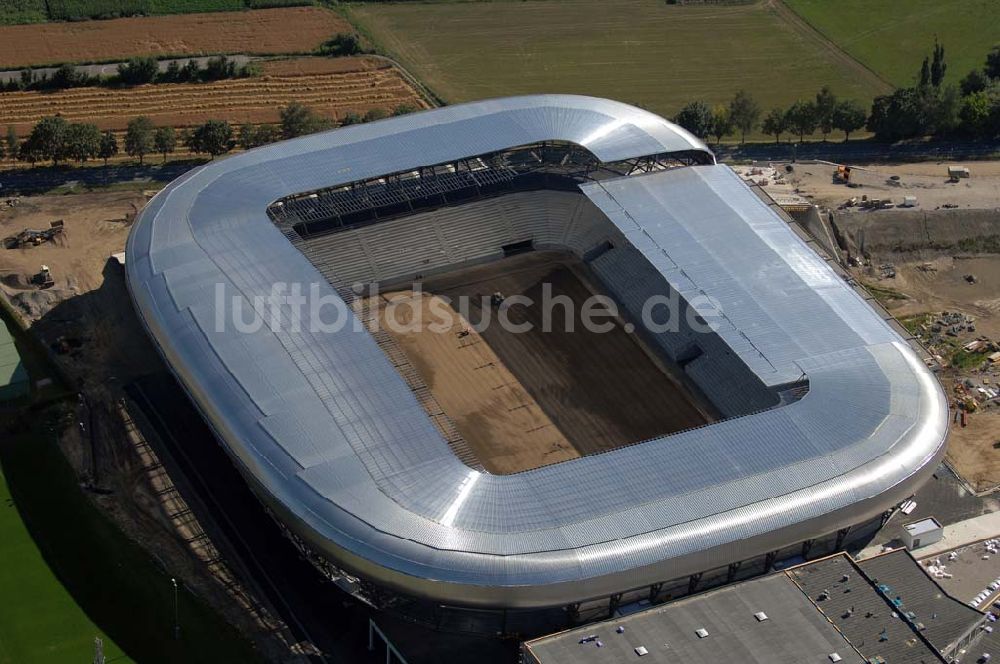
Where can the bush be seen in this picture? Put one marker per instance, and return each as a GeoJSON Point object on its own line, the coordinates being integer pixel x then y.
{"type": "Point", "coordinates": [344, 43]}
{"type": "Point", "coordinates": [138, 70]}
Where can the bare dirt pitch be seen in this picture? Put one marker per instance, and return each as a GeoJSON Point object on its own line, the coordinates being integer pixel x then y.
{"type": "Point", "coordinates": [523, 400]}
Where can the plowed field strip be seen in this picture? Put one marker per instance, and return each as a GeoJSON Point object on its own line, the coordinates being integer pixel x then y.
{"type": "Point", "coordinates": [253, 100]}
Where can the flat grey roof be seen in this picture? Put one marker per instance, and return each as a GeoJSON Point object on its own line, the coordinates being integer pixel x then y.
{"type": "Point", "coordinates": [795, 631]}
{"type": "Point", "coordinates": [331, 437]}
{"type": "Point", "coordinates": [825, 606]}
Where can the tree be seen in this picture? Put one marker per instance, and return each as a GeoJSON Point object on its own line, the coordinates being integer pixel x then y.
{"type": "Point", "coordinates": [744, 111]}
{"type": "Point", "coordinates": [343, 43]}
{"type": "Point", "coordinates": [925, 74]}
{"type": "Point", "coordinates": [30, 150]}
{"type": "Point", "coordinates": [138, 70]}
{"type": "Point", "coordinates": [3, 151]}
{"type": "Point", "coordinates": [848, 117]}
{"type": "Point", "coordinates": [826, 105]}
{"type": "Point", "coordinates": [172, 74]}
{"type": "Point", "coordinates": [254, 136]}
{"type": "Point", "coordinates": [374, 114]}
{"type": "Point", "coordinates": [48, 139]}
{"type": "Point", "coordinates": [139, 137]}
{"type": "Point", "coordinates": [696, 117]}
{"type": "Point", "coordinates": [975, 81]}
{"type": "Point", "coordinates": [404, 109]}
{"type": "Point", "coordinates": [722, 123]}
{"type": "Point", "coordinates": [67, 76]}
{"type": "Point", "coordinates": [191, 71]}
{"type": "Point", "coordinates": [11, 142]}
{"type": "Point", "coordinates": [941, 110]}
{"type": "Point", "coordinates": [108, 147]}
{"type": "Point", "coordinates": [775, 124]}
{"type": "Point", "coordinates": [802, 118]}
{"type": "Point", "coordinates": [903, 114]}
{"type": "Point", "coordinates": [219, 68]}
{"type": "Point", "coordinates": [992, 68]}
{"type": "Point", "coordinates": [165, 141]}
{"type": "Point", "coordinates": [214, 137]}
{"type": "Point", "coordinates": [299, 120]}
{"type": "Point", "coordinates": [83, 141]}
{"type": "Point", "coordinates": [938, 65]}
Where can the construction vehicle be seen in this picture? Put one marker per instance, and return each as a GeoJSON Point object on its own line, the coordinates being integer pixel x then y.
{"type": "Point", "coordinates": [43, 279]}
{"type": "Point", "coordinates": [30, 237]}
{"type": "Point", "coordinates": [842, 174]}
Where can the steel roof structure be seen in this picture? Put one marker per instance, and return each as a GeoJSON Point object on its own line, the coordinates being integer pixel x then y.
{"type": "Point", "coordinates": [329, 435]}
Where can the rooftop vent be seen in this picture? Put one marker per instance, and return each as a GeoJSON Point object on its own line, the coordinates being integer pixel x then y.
{"type": "Point", "coordinates": [641, 650]}
{"type": "Point", "coordinates": [834, 657]}
{"type": "Point", "coordinates": [701, 632]}
{"type": "Point", "coordinates": [760, 616]}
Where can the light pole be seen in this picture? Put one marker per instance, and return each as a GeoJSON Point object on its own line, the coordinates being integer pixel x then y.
{"type": "Point", "coordinates": [177, 625]}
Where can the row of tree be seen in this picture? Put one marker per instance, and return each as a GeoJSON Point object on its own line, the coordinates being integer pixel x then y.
{"type": "Point", "coordinates": [743, 115]}
{"type": "Point", "coordinates": [136, 71]}
{"type": "Point", "coordinates": [929, 108]}
{"type": "Point", "coordinates": [933, 108]}
{"type": "Point", "coordinates": [57, 140]}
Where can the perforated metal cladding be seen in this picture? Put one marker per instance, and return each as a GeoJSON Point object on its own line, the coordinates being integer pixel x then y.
{"type": "Point", "coordinates": [338, 442]}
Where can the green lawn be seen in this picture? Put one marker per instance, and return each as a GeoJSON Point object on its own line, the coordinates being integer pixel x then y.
{"type": "Point", "coordinates": [68, 574]}
{"type": "Point", "coordinates": [644, 52]}
{"type": "Point", "coordinates": [893, 36]}
{"type": "Point", "coordinates": [39, 621]}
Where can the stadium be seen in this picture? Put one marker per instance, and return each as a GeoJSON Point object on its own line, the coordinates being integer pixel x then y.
{"type": "Point", "coordinates": [492, 470]}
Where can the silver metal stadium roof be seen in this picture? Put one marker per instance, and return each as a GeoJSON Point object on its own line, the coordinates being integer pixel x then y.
{"type": "Point", "coordinates": [332, 439]}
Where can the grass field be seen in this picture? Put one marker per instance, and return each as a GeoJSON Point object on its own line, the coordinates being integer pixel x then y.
{"type": "Point", "coordinates": [39, 621]}
{"type": "Point", "coordinates": [893, 37]}
{"type": "Point", "coordinates": [69, 575]}
{"type": "Point", "coordinates": [640, 51]}
{"type": "Point", "coordinates": [284, 30]}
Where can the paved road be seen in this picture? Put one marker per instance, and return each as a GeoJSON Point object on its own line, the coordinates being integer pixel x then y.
{"type": "Point", "coordinates": [44, 178]}
{"type": "Point", "coordinates": [860, 151]}
{"type": "Point", "coordinates": [108, 68]}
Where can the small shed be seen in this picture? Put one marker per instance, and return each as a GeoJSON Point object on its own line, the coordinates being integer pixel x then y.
{"type": "Point", "coordinates": [958, 172]}
{"type": "Point", "coordinates": [921, 533]}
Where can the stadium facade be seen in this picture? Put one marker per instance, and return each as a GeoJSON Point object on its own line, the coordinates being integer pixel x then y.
{"type": "Point", "coordinates": [828, 417]}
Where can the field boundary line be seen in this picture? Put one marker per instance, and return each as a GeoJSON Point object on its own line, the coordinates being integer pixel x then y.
{"type": "Point", "coordinates": [382, 52]}
{"type": "Point", "coordinates": [810, 31]}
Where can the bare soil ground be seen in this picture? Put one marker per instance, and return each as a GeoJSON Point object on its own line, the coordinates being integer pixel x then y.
{"type": "Point", "coordinates": [263, 31]}
{"type": "Point", "coordinates": [932, 253]}
{"type": "Point", "coordinates": [527, 399]}
{"type": "Point", "coordinates": [928, 181]}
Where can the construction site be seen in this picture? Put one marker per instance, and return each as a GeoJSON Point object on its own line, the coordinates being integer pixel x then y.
{"type": "Point", "coordinates": [553, 392]}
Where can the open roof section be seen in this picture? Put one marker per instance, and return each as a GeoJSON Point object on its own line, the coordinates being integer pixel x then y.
{"type": "Point", "coordinates": [331, 437]}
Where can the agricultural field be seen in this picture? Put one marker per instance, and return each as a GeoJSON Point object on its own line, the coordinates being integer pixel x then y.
{"type": "Point", "coordinates": [37, 11]}
{"type": "Point", "coordinates": [645, 52]}
{"type": "Point", "coordinates": [266, 31]}
{"type": "Point", "coordinates": [892, 38]}
{"type": "Point", "coordinates": [331, 87]}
